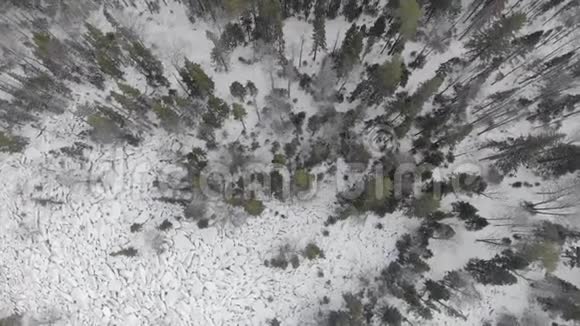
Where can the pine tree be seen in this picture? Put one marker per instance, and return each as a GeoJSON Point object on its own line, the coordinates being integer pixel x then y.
{"type": "Point", "coordinates": [198, 83]}
{"type": "Point", "coordinates": [350, 50]}
{"type": "Point", "coordinates": [106, 51]}
{"type": "Point", "coordinates": [269, 24]}
{"type": "Point", "coordinates": [319, 36]}
{"type": "Point", "coordinates": [148, 64]}
{"type": "Point", "coordinates": [391, 316]}
{"type": "Point", "coordinates": [497, 40]}
{"type": "Point", "coordinates": [514, 153]}
{"type": "Point", "coordinates": [409, 14]}
{"type": "Point", "coordinates": [238, 90]}
{"type": "Point", "coordinates": [333, 8]}
{"type": "Point", "coordinates": [351, 10]}
{"type": "Point", "coordinates": [217, 111]}
{"type": "Point", "coordinates": [239, 113]}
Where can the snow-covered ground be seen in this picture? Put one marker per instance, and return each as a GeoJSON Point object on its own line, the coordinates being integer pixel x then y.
{"type": "Point", "coordinates": [61, 218]}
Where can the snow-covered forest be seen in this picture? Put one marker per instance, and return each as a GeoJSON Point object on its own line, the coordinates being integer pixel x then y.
{"type": "Point", "coordinates": [290, 162]}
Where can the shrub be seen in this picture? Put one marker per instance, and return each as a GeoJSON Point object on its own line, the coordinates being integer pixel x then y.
{"type": "Point", "coordinates": [203, 223]}
{"type": "Point", "coordinates": [166, 225]}
{"type": "Point", "coordinates": [136, 227]}
{"type": "Point", "coordinates": [254, 207]}
{"type": "Point", "coordinates": [279, 159]}
{"type": "Point", "coordinates": [295, 261]}
{"type": "Point", "coordinates": [128, 252]}
{"type": "Point", "coordinates": [11, 144]}
{"type": "Point", "coordinates": [312, 251]}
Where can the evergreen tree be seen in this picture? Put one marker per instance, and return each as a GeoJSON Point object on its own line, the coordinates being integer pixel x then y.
{"type": "Point", "coordinates": [391, 316]}
{"type": "Point", "coordinates": [269, 24]}
{"type": "Point", "coordinates": [319, 35]}
{"type": "Point", "coordinates": [350, 50]}
{"type": "Point", "coordinates": [106, 51]}
{"type": "Point", "coordinates": [382, 81]}
{"type": "Point", "coordinates": [437, 291]}
{"type": "Point", "coordinates": [217, 111]}
{"type": "Point", "coordinates": [409, 14]}
{"type": "Point", "coordinates": [239, 113]}
{"type": "Point", "coordinates": [232, 36]}
{"type": "Point", "coordinates": [488, 272]}
{"type": "Point", "coordinates": [238, 90]}
{"type": "Point", "coordinates": [148, 64]}
{"type": "Point", "coordinates": [351, 10]}
{"type": "Point", "coordinates": [559, 160]}
{"type": "Point", "coordinates": [496, 40]}
{"type": "Point", "coordinates": [198, 83]}
{"type": "Point", "coordinates": [333, 8]}
{"type": "Point", "coordinates": [378, 28]}
{"type": "Point", "coordinates": [514, 153]}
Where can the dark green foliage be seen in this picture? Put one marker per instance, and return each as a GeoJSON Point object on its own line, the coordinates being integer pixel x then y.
{"type": "Point", "coordinates": [378, 28]}
{"type": "Point", "coordinates": [238, 90]}
{"type": "Point", "coordinates": [217, 112]}
{"type": "Point", "coordinates": [559, 297]}
{"type": "Point", "coordinates": [353, 316]}
{"type": "Point", "coordinates": [514, 153]}
{"type": "Point", "coordinates": [391, 316]}
{"type": "Point", "coordinates": [312, 251]}
{"type": "Point", "coordinates": [198, 83]}
{"type": "Point", "coordinates": [232, 36]}
{"type": "Point", "coordinates": [351, 10]}
{"type": "Point", "coordinates": [167, 115]}
{"type": "Point", "coordinates": [319, 34]}
{"type": "Point", "coordinates": [409, 13]}
{"type": "Point", "coordinates": [349, 53]}
{"type": "Point", "coordinates": [437, 291]}
{"type": "Point", "coordinates": [559, 160]}
{"type": "Point", "coordinates": [40, 93]}
{"type": "Point", "coordinates": [377, 197]}
{"type": "Point", "coordinates": [165, 226]}
{"type": "Point", "coordinates": [333, 8]}
{"type": "Point", "coordinates": [254, 207]}
{"type": "Point", "coordinates": [572, 256]}
{"type": "Point", "coordinates": [106, 51]}
{"type": "Point", "coordinates": [136, 227]}
{"type": "Point", "coordinates": [551, 232]}
{"type": "Point", "coordinates": [251, 88]}
{"type": "Point", "coordinates": [382, 81]}
{"type": "Point", "coordinates": [148, 64]}
{"type": "Point", "coordinates": [551, 108]}
{"type": "Point", "coordinates": [496, 40]}
{"type": "Point", "coordinates": [203, 223]}
{"type": "Point", "coordinates": [11, 144]}
{"type": "Point", "coordinates": [128, 252]}
{"type": "Point", "coordinates": [269, 24]}
{"type": "Point", "coordinates": [197, 159]}
{"type": "Point", "coordinates": [468, 213]}
{"type": "Point", "coordinates": [487, 272]}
